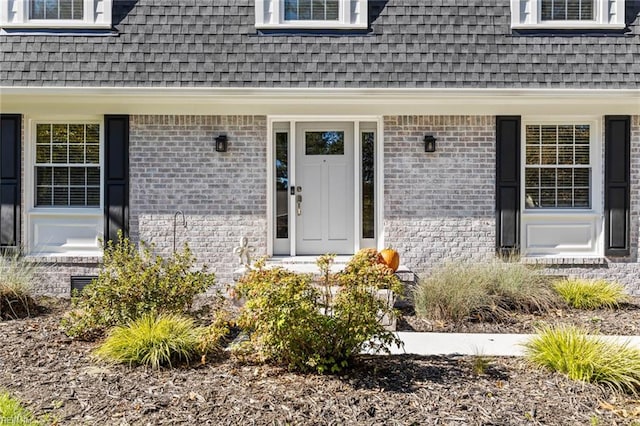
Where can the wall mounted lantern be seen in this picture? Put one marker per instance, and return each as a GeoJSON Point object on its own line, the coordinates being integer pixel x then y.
{"type": "Point", "coordinates": [221, 143]}
{"type": "Point", "coordinates": [429, 143]}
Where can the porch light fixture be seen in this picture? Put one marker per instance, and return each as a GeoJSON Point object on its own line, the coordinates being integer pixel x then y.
{"type": "Point", "coordinates": [429, 143]}
{"type": "Point", "coordinates": [221, 143]}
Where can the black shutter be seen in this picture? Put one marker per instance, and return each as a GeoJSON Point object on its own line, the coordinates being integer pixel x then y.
{"type": "Point", "coordinates": [116, 175]}
{"type": "Point", "coordinates": [508, 184]}
{"type": "Point", "coordinates": [10, 136]}
{"type": "Point", "coordinates": [617, 142]}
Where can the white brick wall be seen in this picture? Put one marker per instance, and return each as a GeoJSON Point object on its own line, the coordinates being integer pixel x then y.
{"type": "Point", "coordinates": [439, 205]}
{"type": "Point", "coordinates": [174, 166]}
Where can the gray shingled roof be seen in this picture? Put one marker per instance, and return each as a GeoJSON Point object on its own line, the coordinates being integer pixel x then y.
{"type": "Point", "coordinates": [412, 43]}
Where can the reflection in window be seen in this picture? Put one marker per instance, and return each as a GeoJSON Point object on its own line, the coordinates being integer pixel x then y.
{"type": "Point", "coordinates": [324, 143]}
{"type": "Point", "coordinates": [567, 10]}
{"type": "Point", "coordinates": [368, 179]}
{"type": "Point", "coordinates": [282, 185]}
{"type": "Point", "coordinates": [311, 10]}
{"type": "Point", "coordinates": [56, 9]}
{"type": "Point", "coordinates": [67, 166]}
{"type": "Point", "coordinates": [557, 169]}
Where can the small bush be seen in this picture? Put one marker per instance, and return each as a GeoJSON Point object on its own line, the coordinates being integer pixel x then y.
{"type": "Point", "coordinates": [581, 356]}
{"type": "Point", "coordinates": [159, 340]}
{"type": "Point", "coordinates": [585, 294]}
{"type": "Point", "coordinates": [367, 268]}
{"type": "Point", "coordinates": [13, 413]}
{"type": "Point", "coordinates": [297, 323]}
{"type": "Point", "coordinates": [132, 283]}
{"type": "Point", "coordinates": [16, 283]}
{"type": "Point", "coordinates": [459, 291]}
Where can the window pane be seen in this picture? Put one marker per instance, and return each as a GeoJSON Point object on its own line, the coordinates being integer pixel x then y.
{"type": "Point", "coordinates": [565, 198]}
{"type": "Point", "coordinates": [533, 154]}
{"type": "Point", "coordinates": [582, 177]}
{"type": "Point", "coordinates": [60, 176]}
{"type": "Point", "coordinates": [368, 185]}
{"type": "Point", "coordinates": [77, 176]}
{"type": "Point", "coordinates": [76, 133]}
{"type": "Point", "coordinates": [304, 9]}
{"type": "Point", "coordinates": [547, 198]}
{"type": "Point", "coordinates": [93, 133]}
{"type": "Point", "coordinates": [565, 177]}
{"type": "Point", "coordinates": [44, 196]}
{"type": "Point", "coordinates": [565, 154]}
{"type": "Point", "coordinates": [93, 196]}
{"type": "Point", "coordinates": [51, 9]}
{"type": "Point", "coordinates": [43, 154]}
{"type": "Point", "coordinates": [44, 176]}
{"type": "Point", "coordinates": [548, 154]}
{"type": "Point", "coordinates": [60, 133]}
{"type": "Point", "coordinates": [59, 154]}
{"type": "Point", "coordinates": [566, 10]}
{"type": "Point", "coordinates": [43, 133]}
{"type": "Point", "coordinates": [324, 143]}
{"type": "Point", "coordinates": [282, 185]}
{"type": "Point", "coordinates": [76, 154]}
{"type": "Point", "coordinates": [548, 178]}
{"type": "Point", "coordinates": [93, 176]}
{"type": "Point", "coordinates": [37, 9]}
{"type": "Point", "coordinates": [66, 10]}
{"type": "Point", "coordinates": [317, 10]}
{"type": "Point", "coordinates": [533, 134]}
{"type": "Point", "coordinates": [77, 197]}
{"type": "Point", "coordinates": [93, 154]}
{"type": "Point", "coordinates": [581, 198]}
{"type": "Point", "coordinates": [61, 196]}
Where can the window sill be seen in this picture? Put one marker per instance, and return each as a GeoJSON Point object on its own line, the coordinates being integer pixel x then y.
{"type": "Point", "coordinates": [66, 211]}
{"type": "Point", "coordinates": [568, 26]}
{"type": "Point", "coordinates": [311, 26]}
{"type": "Point", "coordinates": [562, 260]}
{"type": "Point", "coordinates": [72, 257]}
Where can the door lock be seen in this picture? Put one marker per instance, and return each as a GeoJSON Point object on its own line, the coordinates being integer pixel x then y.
{"type": "Point", "coordinates": [299, 204]}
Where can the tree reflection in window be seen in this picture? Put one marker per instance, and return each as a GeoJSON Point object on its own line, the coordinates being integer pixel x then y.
{"type": "Point", "coordinates": [282, 185]}
{"type": "Point", "coordinates": [368, 182]}
{"type": "Point", "coordinates": [324, 143]}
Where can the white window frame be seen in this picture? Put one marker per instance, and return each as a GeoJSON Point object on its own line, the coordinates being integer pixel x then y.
{"type": "Point", "coordinates": [79, 221]}
{"type": "Point", "coordinates": [557, 221]}
{"type": "Point", "coordinates": [608, 14]}
{"type": "Point", "coordinates": [352, 14]}
{"type": "Point", "coordinates": [15, 14]}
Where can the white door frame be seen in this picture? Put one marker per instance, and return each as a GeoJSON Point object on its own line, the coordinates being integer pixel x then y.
{"type": "Point", "coordinates": [379, 164]}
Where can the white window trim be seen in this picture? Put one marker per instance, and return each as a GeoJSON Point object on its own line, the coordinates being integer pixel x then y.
{"type": "Point", "coordinates": [565, 218]}
{"type": "Point", "coordinates": [63, 215]}
{"type": "Point", "coordinates": [609, 14]}
{"type": "Point", "coordinates": [15, 14]}
{"type": "Point", "coordinates": [352, 15]}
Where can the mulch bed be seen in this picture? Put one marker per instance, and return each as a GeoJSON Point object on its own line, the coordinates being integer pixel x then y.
{"type": "Point", "coordinates": [625, 320]}
{"type": "Point", "coordinates": [56, 376]}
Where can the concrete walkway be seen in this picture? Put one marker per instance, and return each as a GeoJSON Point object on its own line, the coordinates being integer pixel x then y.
{"type": "Point", "coordinates": [475, 344]}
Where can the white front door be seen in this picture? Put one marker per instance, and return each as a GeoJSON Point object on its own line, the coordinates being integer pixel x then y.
{"type": "Point", "coordinates": [324, 191]}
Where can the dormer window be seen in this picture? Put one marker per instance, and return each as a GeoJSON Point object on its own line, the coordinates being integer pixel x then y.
{"type": "Point", "coordinates": [311, 14]}
{"type": "Point", "coordinates": [567, 14]}
{"type": "Point", "coordinates": [55, 14]}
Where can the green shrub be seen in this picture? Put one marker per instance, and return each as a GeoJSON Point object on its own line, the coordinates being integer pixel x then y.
{"type": "Point", "coordinates": [585, 294]}
{"type": "Point", "coordinates": [132, 283]}
{"type": "Point", "coordinates": [459, 291]}
{"type": "Point", "coordinates": [13, 413]}
{"type": "Point", "coordinates": [367, 268]}
{"type": "Point", "coordinates": [306, 326]}
{"type": "Point", "coordinates": [585, 357]}
{"type": "Point", "coordinates": [16, 283]}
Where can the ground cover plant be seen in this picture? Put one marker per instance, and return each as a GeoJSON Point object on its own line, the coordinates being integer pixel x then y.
{"type": "Point", "coordinates": [16, 283]}
{"type": "Point", "coordinates": [590, 294]}
{"type": "Point", "coordinates": [13, 413]}
{"type": "Point", "coordinates": [482, 291]}
{"type": "Point", "coordinates": [586, 357]}
{"type": "Point", "coordinates": [131, 283]}
{"type": "Point", "coordinates": [161, 340]}
{"type": "Point", "coordinates": [309, 326]}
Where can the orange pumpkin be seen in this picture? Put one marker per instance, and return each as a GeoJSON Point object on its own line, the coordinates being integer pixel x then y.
{"type": "Point", "coordinates": [391, 258]}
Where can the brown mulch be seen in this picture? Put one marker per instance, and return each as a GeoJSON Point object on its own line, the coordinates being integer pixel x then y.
{"type": "Point", "coordinates": [625, 320]}
{"type": "Point", "coordinates": [56, 376]}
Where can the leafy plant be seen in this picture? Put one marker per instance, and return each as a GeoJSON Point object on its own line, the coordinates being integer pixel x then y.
{"type": "Point", "coordinates": [310, 327]}
{"type": "Point", "coordinates": [13, 413]}
{"type": "Point", "coordinates": [367, 268]}
{"type": "Point", "coordinates": [16, 283]}
{"type": "Point", "coordinates": [586, 294]}
{"type": "Point", "coordinates": [132, 283]}
{"type": "Point", "coordinates": [585, 357]}
{"type": "Point", "coordinates": [459, 291]}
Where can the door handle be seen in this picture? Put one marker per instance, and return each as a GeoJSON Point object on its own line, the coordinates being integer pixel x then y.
{"type": "Point", "coordinates": [299, 204]}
